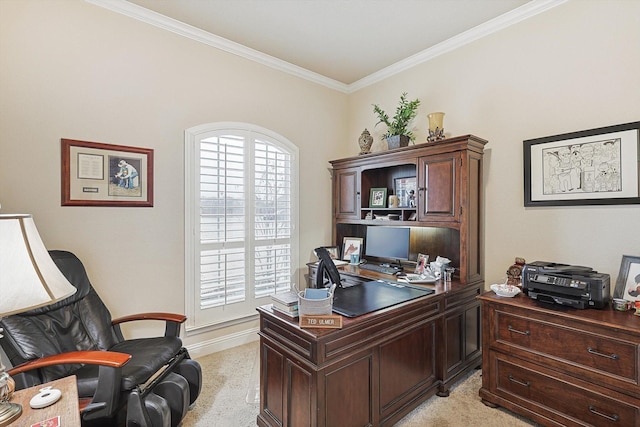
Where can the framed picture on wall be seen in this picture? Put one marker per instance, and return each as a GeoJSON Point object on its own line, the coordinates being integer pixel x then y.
{"type": "Point", "coordinates": [98, 174]}
{"type": "Point", "coordinates": [590, 167]}
{"type": "Point", "coordinates": [628, 283]}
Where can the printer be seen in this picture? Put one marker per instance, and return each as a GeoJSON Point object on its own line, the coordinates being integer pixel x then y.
{"type": "Point", "coordinates": [568, 285]}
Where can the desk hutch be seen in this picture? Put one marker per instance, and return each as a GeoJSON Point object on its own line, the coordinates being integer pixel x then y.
{"type": "Point", "coordinates": [382, 365]}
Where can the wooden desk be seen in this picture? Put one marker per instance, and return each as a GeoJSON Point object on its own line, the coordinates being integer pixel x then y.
{"type": "Point", "coordinates": [374, 370]}
{"type": "Point", "coordinates": [67, 407]}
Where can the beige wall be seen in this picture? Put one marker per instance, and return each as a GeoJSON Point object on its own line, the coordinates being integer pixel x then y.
{"type": "Point", "coordinates": [572, 68]}
{"type": "Point", "coordinates": [69, 69]}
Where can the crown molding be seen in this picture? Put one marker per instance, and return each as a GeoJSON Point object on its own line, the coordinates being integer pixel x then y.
{"type": "Point", "coordinates": [522, 13]}
{"type": "Point", "coordinates": [161, 21]}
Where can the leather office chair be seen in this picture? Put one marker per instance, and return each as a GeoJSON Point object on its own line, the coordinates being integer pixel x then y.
{"type": "Point", "coordinates": [138, 382]}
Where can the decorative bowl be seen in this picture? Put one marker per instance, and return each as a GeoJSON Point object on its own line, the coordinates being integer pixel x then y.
{"type": "Point", "coordinates": [504, 290]}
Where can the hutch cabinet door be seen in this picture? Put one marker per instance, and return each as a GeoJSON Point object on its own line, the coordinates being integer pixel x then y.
{"type": "Point", "coordinates": [438, 187]}
{"type": "Point", "coordinates": [347, 193]}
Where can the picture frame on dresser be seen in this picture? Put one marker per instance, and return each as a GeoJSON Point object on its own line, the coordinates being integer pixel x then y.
{"type": "Point", "coordinates": [590, 167]}
{"type": "Point", "coordinates": [628, 282]}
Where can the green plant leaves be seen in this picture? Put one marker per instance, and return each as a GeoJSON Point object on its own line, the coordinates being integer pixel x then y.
{"type": "Point", "coordinates": [405, 112]}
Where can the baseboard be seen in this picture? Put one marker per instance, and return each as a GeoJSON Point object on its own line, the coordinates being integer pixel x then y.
{"type": "Point", "coordinates": [223, 343]}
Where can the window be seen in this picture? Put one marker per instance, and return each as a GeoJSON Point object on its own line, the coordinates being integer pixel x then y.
{"type": "Point", "coordinates": [241, 220]}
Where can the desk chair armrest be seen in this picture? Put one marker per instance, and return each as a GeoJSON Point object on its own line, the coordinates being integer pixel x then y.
{"type": "Point", "coordinates": [104, 402]}
{"type": "Point", "coordinates": [173, 322]}
{"type": "Point", "coordinates": [110, 359]}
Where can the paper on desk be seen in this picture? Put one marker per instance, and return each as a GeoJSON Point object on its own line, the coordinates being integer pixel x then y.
{"type": "Point", "coordinates": [51, 422]}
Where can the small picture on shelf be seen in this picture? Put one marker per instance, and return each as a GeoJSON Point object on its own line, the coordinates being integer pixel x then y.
{"type": "Point", "coordinates": [351, 245]}
{"type": "Point", "coordinates": [405, 189]}
{"type": "Point", "coordinates": [378, 197]}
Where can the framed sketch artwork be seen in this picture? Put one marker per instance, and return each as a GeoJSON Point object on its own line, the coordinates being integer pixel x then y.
{"type": "Point", "coordinates": [591, 167]}
{"type": "Point", "coordinates": [628, 283]}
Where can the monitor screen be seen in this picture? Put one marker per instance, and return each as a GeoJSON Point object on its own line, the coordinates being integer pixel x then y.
{"type": "Point", "coordinates": [387, 242]}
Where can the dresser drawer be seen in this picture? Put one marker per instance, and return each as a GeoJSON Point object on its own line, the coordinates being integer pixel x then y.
{"type": "Point", "coordinates": [556, 395]}
{"type": "Point", "coordinates": [584, 353]}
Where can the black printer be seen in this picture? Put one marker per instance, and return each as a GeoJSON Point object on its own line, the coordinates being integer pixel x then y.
{"type": "Point", "coordinates": [568, 285]}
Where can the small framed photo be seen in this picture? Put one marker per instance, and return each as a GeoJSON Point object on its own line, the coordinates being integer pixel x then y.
{"type": "Point", "coordinates": [333, 251]}
{"type": "Point", "coordinates": [405, 189]}
{"type": "Point", "coordinates": [628, 283]}
{"type": "Point", "coordinates": [423, 262]}
{"type": "Point", "coordinates": [351, 245]}
{"type": "Point", "coordinates": [378, 198]}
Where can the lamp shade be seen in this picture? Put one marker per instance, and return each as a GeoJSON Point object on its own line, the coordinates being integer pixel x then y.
{"type": "Point", "coordinates": [28, 276]}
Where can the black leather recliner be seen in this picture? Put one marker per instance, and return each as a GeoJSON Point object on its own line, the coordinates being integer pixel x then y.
{"type": "Point", "coordinates": [137, 382]}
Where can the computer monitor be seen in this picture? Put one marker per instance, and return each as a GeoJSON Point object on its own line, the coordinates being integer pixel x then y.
{"type": "Point", "coordinates": [387, 242]}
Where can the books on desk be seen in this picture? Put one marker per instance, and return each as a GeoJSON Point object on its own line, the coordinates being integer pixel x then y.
{"type": "Point", "coordinates": [286, 303]}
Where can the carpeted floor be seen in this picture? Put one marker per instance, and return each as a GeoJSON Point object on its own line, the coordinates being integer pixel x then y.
{"type": "Point", "coordinates": [230, 398]}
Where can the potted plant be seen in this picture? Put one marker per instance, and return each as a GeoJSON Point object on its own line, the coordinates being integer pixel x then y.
{"type": "Point", "coordinates": [397, 134]}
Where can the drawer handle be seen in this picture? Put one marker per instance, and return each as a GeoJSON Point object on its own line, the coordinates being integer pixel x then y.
{"type": "Point", "coordinates": [522, 383]}
{"type": "Point", "coordinates": [517, 331]}
{"type": "Point", "coordinates": [613, 417]}
{"type": "Point", "coordinates": [597, 353]}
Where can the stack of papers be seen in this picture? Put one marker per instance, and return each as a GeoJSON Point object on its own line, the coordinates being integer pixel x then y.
{"type": "Point", "coordinates": [420, 278]}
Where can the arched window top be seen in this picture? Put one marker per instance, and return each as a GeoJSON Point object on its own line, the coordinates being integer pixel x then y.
{"type": "Point", "coordinates": [216, 127]}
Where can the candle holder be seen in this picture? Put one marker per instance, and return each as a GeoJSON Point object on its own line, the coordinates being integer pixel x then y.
{"type": "Point", "coordinates": [436, 130]}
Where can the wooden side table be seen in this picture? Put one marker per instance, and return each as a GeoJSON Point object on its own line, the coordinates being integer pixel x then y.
{"type": "Point", "coordinates": [67, 407]}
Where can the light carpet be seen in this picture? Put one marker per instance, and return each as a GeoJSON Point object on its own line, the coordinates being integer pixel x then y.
{"type": "Point", "coordinates": [230, 398]}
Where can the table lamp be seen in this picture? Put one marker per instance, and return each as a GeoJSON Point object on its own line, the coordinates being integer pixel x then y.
{"type": "Point", "coordinates": [28, 279]}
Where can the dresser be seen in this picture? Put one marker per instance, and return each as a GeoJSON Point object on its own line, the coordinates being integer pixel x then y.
{"type": "Point", "coordinates": [560, 366]}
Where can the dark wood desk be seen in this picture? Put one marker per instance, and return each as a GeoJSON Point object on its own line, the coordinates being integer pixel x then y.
{"type": "Point", "coordinates": [67, 407]}
{"type": "Point", "coordinates": [374, 370]}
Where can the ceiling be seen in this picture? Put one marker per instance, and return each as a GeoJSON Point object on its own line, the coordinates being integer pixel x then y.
{"type": "Point", "coordinates": [346, 41]}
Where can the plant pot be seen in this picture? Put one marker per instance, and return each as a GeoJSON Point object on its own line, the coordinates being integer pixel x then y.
{"type": "Point", "coordinates": [397, 141]}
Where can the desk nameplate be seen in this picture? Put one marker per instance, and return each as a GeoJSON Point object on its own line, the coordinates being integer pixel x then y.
{"type": "Point", "coordinates": [324, 321]}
